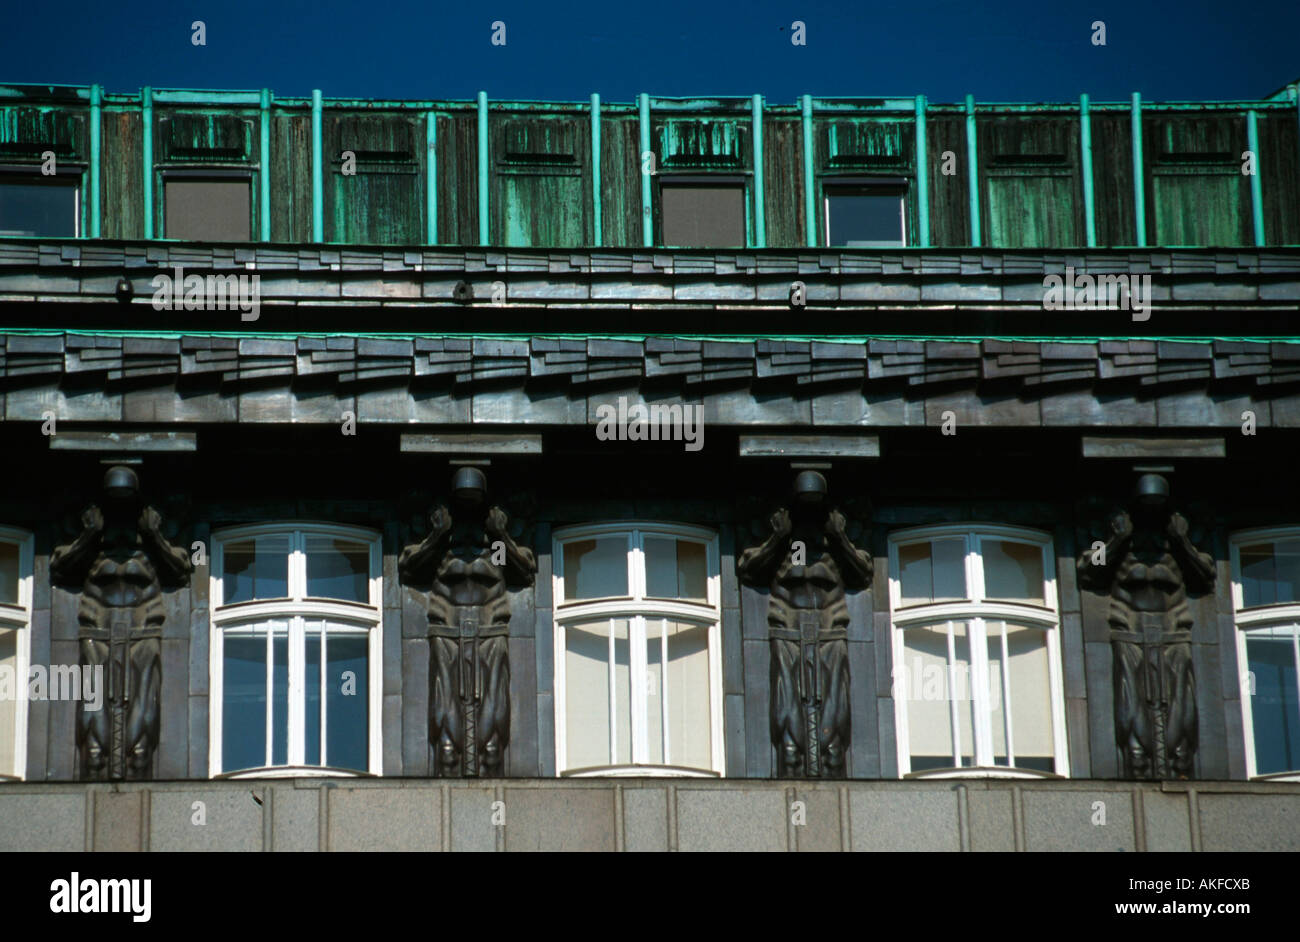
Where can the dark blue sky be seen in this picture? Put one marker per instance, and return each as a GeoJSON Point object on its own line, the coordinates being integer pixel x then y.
{"type": "Point", "coordinates": [1003, 51]}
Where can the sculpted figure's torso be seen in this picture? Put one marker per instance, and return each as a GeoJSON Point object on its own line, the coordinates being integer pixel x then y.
{"type": "Point", "coordinates": [122, 575]}
{"type": "Point", "coordinates": [1149, 579]}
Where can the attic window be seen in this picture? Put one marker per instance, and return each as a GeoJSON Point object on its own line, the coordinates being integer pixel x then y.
{"type": "Point", "coordinates": [35, 206]}
{"type": "Point", "coordinates": [702, 212]}
{"type": "Point", "coordinates": [208, 210]}
{"type": "Point", "coordinates": [866, 213]}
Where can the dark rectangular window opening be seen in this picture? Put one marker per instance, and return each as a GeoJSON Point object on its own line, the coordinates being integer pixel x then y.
{"type": "Point", "coordinates": [36, 206]}
{"type": "Point", "coordinates": [208, 209]}
{"type": "Point", "coordinates": [700, 212]}
{"type": "Point", "coordinates": [865, 214]}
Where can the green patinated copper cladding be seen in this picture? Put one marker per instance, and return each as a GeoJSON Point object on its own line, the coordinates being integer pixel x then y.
{"type": "Point", "coordinates": [431, 177]}
{"type": "Point", "coordinates": [1139, 172]}
{"type": "Point", "coordinates": [809, 197]}
{"type": "Point", "coordinates": [146, 155]}
{"type": "Point", "coordinates": [1085, 169]}
{"type": "Point", "coordinates": [643, 118]}
{"type": "Point", "coordinates": [972, 171]}
{"type": "Point", "coordinates": [1256, 196]}
{"type": "Point", "coordinates": [317, 169]}
{"type": "Point", "coordinates": [597, 237]}
{"type": "Point", "coordinates": [555, 175]}
{"type": "Point", "coordinates": [96, 138]}
{"type": "Point", "coordinates": [264, 167]}
{"type": "Point", "coordinates": [922, 177]}
{"type": "Point", "coordinates": [483, 221]}
{"type": "Point", "coordinates": [760, 210]}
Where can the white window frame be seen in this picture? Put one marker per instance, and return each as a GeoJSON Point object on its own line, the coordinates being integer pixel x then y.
{"type": "Point", "coordinates": [638, 610]}
{"type": "Point", "coordinates": [1263, 616]}
{"type": "Point", "coordinates": [295, 611]}
{"type": "Point", "coordinates": [19, 617]}
{"type": "Point", "coordinates": [975, 612]}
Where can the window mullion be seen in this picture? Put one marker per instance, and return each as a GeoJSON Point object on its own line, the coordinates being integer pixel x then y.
{"type": "Point", "coordinates": [982, 725]}
{"type": "Point", "coordinates": [953, 708]}
{"type": "Point", "coordinates": [663, 688]}
{"type": "Point", "coordinates": [324, 699]}
{"type": "Point", "coordinates": [270, 691]}
{"type": "Point", "coordinates": [613, 699]}
{"type": "Point", "coordinates": [297, 691]}
{"type": "Point", "coordinates": [1006, 698]}
{"type": "Point", "coordinates": [638, 670]}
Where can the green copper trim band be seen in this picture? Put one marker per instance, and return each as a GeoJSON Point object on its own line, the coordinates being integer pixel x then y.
{"type": "Point", "coordinates": [647, 223]}
{"type": "Point", "coordinates": [760, 208]}
{"type": "Point", "coordinates": [809, 198]}
{"type": "Point", "coordinates": [972, 171]}
{"type": "Point", "coordinates": [431, 177]}
{"type": "Point", "coordinates": [317, 170]}
{"type": "Point", "coordinates": [922, 177]}
{"type": "Point", "coordinates": [146, 153]}
{"type": "Point", "coordinates": [264, 168]}
{"type": "Point", "coordinates": [1256, 187]}
{"type": "Point", "coordinates": [1085, 152]}
{"type": "Point", "coordinates": [597, 237]}
{"type": "Point", "coordinates": [483, 228]}
{"type": "Point", "coordinates": [1139, 171]}
{"type": "Point", "coordinates": [96, 109]}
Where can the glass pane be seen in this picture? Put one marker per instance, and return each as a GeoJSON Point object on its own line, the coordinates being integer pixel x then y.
{"type": "Point", "coordinates": [1025, 670]}
{"type": "Point", "coordinates": [1013, 571]}
{"type": "Point", "coordinates": [256, 568]}
{"type": "Point", "coordinates": [9, 573]}
{"type": "Point", "coordinates": [243, 692]}
{"type": "Point", "coordinates": [207, 210]}
{"type": "Point", "coordinates": [337, 568]}
{"type": "Point", "coordinates": [1270, 573]}
{"type": "Point", "coordinates": [595, 568]}
{"type": "Point", "coordinates": [588, 729]}
{"type": "Point", "coordinates": [675, 569]}
{"type": "Point", "coordinates": [690, 730]}
{"type": "Point", "coordinates": [933, 681]}
{"type": "Point", "coordinates": [865, 220]}
{"type": "Point", "coordinates": [280, 699]}
{"type": "Point", "coordinates": [654, 699]}
{"type": "Point", "coordinates": [311, 693]}
{"type": "Point", "coordinates": [34, 208]}
{"type": "Point", "coordinates": [9, 701]}
{"type": "Point", "coordinates": [347, 701]}
{"type": "Point", "coordinates": [934, 571]}
{"type": "Point", "coordinates": [703, 216]}
{"type": "Point", "coordinates": [1274, 710]}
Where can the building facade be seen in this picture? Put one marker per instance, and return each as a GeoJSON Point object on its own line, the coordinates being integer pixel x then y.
{"type": "Point", "coordinates": [856, 474]}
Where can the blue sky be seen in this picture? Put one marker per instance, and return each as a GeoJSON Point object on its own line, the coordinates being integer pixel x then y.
{"type": "Point", "coordinates": [1000, 51]}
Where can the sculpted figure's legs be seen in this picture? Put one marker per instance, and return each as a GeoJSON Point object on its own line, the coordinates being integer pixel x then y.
{"type": "Point", "coordinates": [787, 717]}
{"type": "Point", "coordinates": [835, 716]}
{"type": "Point", "coordinates": [94, 727]}
{"type": "Point", "coordinates": [445, 726]}
{"type": "Point", "coordinates": [142, 710]}
{"type": "Point", "coordinates": [1181, 736]}
{"type": "Point", "coordinates": [1132, 724]}
{"type": "Point", "coordinates": [494, 713]}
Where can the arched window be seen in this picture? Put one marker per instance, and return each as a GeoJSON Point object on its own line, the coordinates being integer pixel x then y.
{"type": "Point", "coordinates": [1266, 598]}
{"type": "Point", "coordinates": [977, 676]}
{"type": "Point", "coordinates": [15, 649]}
{"type": "Point", "coordinates": [296, 650]}
{"type": "Point", "coordinates": [638, 672]}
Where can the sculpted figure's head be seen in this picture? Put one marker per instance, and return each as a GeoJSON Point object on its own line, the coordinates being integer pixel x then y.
{"type": "Point", "coordinates": [469, 486]}
{"type": "Point", "coordinates": [1151, 499]}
